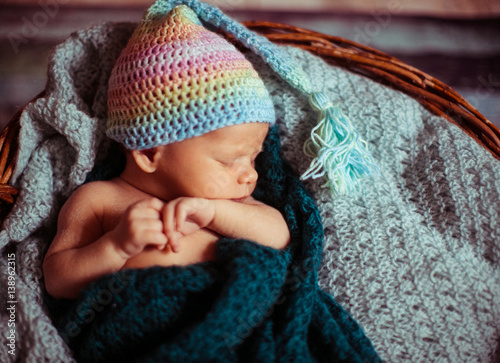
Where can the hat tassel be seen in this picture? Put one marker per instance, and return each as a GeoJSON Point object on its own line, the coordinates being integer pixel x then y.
{"type": "Point", "coordinates": [338, 150]}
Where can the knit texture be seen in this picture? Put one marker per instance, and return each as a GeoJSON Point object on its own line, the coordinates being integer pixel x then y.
{"type": "Point", "coordinates": [175, 80]}
{"type": "Point", "coordinates": [414, 256]}
{"type": "Point", "coordinates": [253, 303]}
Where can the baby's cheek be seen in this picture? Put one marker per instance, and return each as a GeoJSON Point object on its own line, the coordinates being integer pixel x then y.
{"type": "Point", "coordinates": [217, 184]}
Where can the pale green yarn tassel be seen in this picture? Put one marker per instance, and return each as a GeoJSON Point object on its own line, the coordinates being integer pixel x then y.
{"type": "Point", "coordinates": [338, 150]}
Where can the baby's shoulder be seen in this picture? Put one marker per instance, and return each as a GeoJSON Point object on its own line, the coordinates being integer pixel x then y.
{"type": "Point", "coordinates": [96, 190]}
{"type": "Point", "coordinates": [91, 195]}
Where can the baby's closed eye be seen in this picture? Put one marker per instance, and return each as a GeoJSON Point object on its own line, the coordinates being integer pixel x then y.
{"type": "Point", "coordinates": [235, 159]}
{"type": "Point", "coordinates": [226, 161]}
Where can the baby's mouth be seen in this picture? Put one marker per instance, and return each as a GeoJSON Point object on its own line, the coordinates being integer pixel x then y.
{"type": "Point", "coordinates": [239, 200]}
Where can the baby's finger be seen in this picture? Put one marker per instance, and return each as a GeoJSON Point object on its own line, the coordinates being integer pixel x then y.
{"type": "Point", "coordinates": [168, 218]}
{"type": "Point", "coordinates": [174, 244]}
{"type": "Point", "coordinates": [155, 225]}
{"type": "Point", "coordinates": [149, 203]}
{"type": "Point", "coordinates": [155, 238]}
{"type": "Point", "coordinates": [169, 226]}
{"type": "Point", "coordinates": [181, 213]}
{"type": "Point", "coordinates": [145, 214]}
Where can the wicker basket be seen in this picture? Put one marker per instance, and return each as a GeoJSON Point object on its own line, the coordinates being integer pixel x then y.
{"type": "Point", "coordinates": [433, 94]}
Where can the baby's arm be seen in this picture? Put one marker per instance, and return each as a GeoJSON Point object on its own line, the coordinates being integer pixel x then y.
{"type": "Point", "coordinates": [81, 253]}
{"type": "Point", "coordinates": [250, 219]}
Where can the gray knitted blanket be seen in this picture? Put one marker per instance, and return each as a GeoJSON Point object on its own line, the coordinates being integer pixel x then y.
{"type": "Point", "coordinates": [414, 256]}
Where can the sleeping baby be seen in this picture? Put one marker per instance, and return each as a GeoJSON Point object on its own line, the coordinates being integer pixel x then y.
{"type": "Point", "coordinates": [192, 115]}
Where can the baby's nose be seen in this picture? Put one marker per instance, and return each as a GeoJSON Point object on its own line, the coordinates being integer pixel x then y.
{"type": "Point", "coordinates": [248, 175]}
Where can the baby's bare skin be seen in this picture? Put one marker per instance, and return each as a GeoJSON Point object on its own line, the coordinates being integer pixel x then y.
{"type": "Point", "coordinates": [116, 197]}
{"type": "Point", "coordinates": [165, 209]}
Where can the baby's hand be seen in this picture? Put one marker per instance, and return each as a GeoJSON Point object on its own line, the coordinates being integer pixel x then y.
{"type": "Point", "coordinates": [183, 216]}
{"type": "Point", "coordinates": [140, 226]}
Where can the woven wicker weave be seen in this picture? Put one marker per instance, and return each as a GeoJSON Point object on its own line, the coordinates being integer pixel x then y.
{"type": "Point", "coordinates": [433, 94]}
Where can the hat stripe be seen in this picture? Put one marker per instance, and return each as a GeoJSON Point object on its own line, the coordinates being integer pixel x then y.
{"type": "Point", "coordinates": [210, 83]}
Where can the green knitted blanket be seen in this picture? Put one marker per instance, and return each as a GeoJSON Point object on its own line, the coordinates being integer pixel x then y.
{"type": "Point", "coordinates": [252, 303]}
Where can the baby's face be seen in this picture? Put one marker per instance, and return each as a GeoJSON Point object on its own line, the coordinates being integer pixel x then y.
{"type": "Point", "coordinates": [216, 165]}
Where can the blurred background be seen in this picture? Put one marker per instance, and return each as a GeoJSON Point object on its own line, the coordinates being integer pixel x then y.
{"type": "Point", "coordinates": [456, 41]}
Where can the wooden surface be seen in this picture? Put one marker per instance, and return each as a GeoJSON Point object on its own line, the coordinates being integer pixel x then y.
{"type": "Point", "coordinates": [439, 8]}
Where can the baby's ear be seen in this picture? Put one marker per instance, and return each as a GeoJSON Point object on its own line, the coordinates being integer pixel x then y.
{"type": "Point", "coordinates": [147, 159]}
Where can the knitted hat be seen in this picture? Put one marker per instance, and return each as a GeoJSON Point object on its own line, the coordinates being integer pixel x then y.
{"type": "Point", "coordinates": [176, 80]}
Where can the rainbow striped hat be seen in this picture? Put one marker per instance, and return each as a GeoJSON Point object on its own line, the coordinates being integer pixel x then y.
{"type": "Point", "coordinates": [175, 80]}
